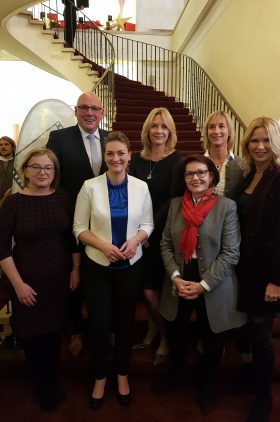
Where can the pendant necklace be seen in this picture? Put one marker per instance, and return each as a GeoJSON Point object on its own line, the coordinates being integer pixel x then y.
{"type": "Point", "coordinates": [220, 165]}
{"type": "Point", "coordinates": [151, 169]}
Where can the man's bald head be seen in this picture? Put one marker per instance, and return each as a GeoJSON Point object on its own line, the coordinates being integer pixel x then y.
{"type": "Point", "coordinates": [89, 111]}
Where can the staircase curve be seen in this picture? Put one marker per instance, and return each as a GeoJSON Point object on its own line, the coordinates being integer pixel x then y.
{"type": "Point", "coordinates": [132, 100]}
{"type": "Point", "coordinates": [146, 76]}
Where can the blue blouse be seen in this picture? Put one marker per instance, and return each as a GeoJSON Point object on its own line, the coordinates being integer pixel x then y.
{"type": "Point", "coordinates": [119, 213]}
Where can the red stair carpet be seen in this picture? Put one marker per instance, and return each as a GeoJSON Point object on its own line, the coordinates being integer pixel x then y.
{"type": "Point", "coordinates": [134, 101]}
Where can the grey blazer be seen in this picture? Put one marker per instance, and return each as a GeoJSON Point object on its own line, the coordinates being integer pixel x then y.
{"type": "Point", "coordinates": [234, 177]}
{"type": "Point", "coordinates": [217, 252]}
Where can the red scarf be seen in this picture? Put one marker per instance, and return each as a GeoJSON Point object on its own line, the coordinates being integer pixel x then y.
{"type": "Point", "coordinates": [194, 217]}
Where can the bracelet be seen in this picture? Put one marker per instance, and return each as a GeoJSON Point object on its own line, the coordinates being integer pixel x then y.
{"type": "Point", "coordinates": [76, 265]}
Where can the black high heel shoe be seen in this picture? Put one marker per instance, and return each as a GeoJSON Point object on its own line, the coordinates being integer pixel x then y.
{"type": "Point", "coordinates": [123, 399]}
{"type": "Point", "coordinates": [94, 403]}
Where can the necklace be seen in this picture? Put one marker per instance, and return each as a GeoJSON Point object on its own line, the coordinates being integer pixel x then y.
{"type": "Point", "coordinates": [151, 169]}
{"type": "Point", "coordinates": [219, 164]}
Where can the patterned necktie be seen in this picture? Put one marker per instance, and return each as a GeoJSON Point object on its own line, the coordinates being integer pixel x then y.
{"type": "Point", "coordinates": [94, 154]}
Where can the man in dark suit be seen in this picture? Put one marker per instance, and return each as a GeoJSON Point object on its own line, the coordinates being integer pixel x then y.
{"type": "Point", "coordinates": [79, 161]}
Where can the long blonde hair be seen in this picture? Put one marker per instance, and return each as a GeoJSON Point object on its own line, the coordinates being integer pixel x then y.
{"type": "Point", "coordinates": [145, 135]}
{"type": "Point", "coordinates": [273, 130]}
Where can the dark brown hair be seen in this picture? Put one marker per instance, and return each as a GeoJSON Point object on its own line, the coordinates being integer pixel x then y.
{"type": "Point", "coordinates": [117, 136]}
{"type": "Point", "coordinates": [179, 184]}
{"type": "Point", "coordinates": [11, 142]}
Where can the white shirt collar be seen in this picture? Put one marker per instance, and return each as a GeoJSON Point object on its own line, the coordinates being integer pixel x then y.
{"type": "Point", "coordinates": [85, 134]}
{"type": "Point", "coordinates": [231, 154]}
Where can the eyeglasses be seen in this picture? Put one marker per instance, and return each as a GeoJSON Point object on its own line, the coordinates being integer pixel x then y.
{"type": "Point", "coordinates": [200, 174]}
{"type": "Point", "coordinates": [85, 108]}
{"type": "Point", "coordinates": [37, 169]}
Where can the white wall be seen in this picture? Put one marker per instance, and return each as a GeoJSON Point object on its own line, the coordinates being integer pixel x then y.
{"type": "Point", "coordinates": [238, 46]}
{"type": "Point", "coordinates": [99, 10]}
{"type": "Point", "coordinates": [22, 86]}
{"type": "Point", "coordinates": [157, 14]}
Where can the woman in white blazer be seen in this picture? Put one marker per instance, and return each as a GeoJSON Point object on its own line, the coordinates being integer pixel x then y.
{"type": "Point", "coordinates": [200, 247]}
{"type": "Point", "coordinates": [113, 217]}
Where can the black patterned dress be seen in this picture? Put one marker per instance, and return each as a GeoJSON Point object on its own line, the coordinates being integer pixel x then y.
{"type": "Point", "coordinates": [41, 227]}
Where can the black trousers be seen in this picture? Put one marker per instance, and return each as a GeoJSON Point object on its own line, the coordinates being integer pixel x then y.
{"type": "Point", "coordinates": [69, 22]}
{"type": "Point", "coordinates": [42, 354]}
{"type": "Point", "coordinates": [111, 297]}
{"type": "Point", "coordinates": [179, 334]}
{"type": "Point", "coordinates": [76, 322]}
{"type": "Point", "coordinates": [76, 300]}
{"type": "Point", "coordinates": [260, 328]}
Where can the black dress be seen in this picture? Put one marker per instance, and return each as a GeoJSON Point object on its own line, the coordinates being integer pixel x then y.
{"type": "Point", "coordinates": [259, 215]}
{"type": "Point", "coordinates": [43, 242]}
{"type": "Point", "coordinates": [158, 175]}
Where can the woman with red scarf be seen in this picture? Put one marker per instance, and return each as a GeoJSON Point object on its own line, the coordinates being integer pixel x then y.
{"type": "Point", "coordinates": [200, 246]}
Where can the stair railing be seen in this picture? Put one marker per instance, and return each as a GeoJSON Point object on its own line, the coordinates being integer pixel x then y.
{"type": "Point", "coordinates": [91, 43]}
{"type": "Point", "coordinates": [175, 74]}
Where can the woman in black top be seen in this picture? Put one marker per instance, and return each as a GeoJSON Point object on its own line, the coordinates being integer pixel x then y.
{"type": "Point", "coordinates": [155, 165]}
{"type": "Point", "coordinates": [43, 267]}
{"type": "Point", "coordinates": [258, 269]}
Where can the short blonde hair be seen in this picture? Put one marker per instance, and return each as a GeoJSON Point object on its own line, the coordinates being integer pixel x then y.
{"type": "Point", "coordinates": [210, 118]}
{"type": "Point", "coordinates": [37, 152]}
{"type": "Point", "coordinates": [273, 130]}
{"type": "Point", "coordinates": [145, 135]}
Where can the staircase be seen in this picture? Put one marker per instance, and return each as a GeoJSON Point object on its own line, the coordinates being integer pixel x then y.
{"type": "Point", "coordinates": [134, 101]}
{"type": "Point", "coordinates": [63, 62]}
{"type": "Point", "coordinates": [178, 82]}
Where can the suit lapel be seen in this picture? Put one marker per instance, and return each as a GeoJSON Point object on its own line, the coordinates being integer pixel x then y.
{"type": "Point", "coordinates": [102, 135]}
